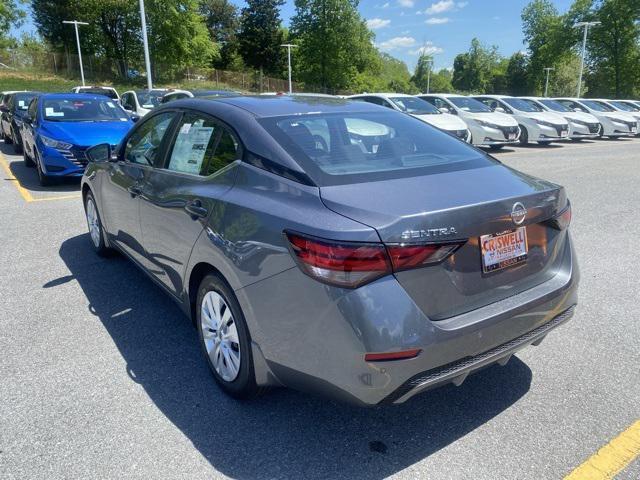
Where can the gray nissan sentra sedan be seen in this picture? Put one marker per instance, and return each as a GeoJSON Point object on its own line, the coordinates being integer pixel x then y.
{"type": "Point", "coordinates": [334, 246]}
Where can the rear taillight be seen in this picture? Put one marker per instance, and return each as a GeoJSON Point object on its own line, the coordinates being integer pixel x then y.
{"type": "Point", "coordinates": [562, 220]}
{"type": "Point", "coordinates": [352, 264]}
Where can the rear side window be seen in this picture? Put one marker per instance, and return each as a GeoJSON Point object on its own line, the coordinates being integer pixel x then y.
{"type": "Point", "coordinates": [358, 147]}
{"type": "Point", "coordinates": [202, 146]}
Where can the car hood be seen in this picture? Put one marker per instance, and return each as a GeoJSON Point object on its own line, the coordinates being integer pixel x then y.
{"type": "Point", "coordinates": [546, 117]}
{"type": "Point", "coordinates": [86, 134]}
{"type": "Point", "coordinates": [497, 118]}
{"type": "Point", "coordinates": [581, 116]}
{"type": "Point", "coordinates": [443, 121]}
{"type": "Point", "coordinates": [621, 116]}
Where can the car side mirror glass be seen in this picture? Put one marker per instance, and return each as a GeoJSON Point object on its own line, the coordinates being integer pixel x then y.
{"type": "Point", "coordinates": [499, 110]}
{"type": "Point", "coordinates": [577, 110]}
{"type": "Point", "coordinates": [99, 153]}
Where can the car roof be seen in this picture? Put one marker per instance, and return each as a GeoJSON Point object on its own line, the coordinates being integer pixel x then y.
{"type": "Point", "coordinates": [271, 106]}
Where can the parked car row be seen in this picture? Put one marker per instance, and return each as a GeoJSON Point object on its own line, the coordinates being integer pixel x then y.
{"type": "Point", "coordinates": [498, 120]}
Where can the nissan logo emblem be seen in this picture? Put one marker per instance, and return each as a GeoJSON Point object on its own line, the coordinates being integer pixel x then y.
{"type": "Point", "coordinates": [518, 213]}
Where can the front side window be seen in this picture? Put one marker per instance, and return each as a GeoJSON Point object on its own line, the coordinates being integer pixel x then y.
{"type": "Point", "coordinates": [346, 148]}
{"type": "Point", "coordinates": [33, 108]}
{"type": "Point", "coordinates": [524, 105]}
{"type": "Point", "coordinates": [81, 110]}
{"type": "Point", "coordinates": [598, 106]}
{"type": "Point", "coordinates": [467, 104]}
{"type": "Point", "coordinates": [555, 106]}
{"type": "Point", "coordinates": [143, 144]}
{"type": "Point", "coordinates": [627, 107]}
{"type": "Point", "coordinates": [573, 105]}
{"type": "Point", "coordinates": [202, 146]}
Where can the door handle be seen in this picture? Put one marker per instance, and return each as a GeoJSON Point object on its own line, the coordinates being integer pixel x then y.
{"type": "Point", "coordinates": [134, 190]}
{"type": "Point", "coordinates": [196, 210]}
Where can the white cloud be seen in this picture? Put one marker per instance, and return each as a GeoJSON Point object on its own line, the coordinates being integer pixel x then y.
{"type": "Point", "coordinates": [375, 23]}
{"type": "Point", "coordinates": [437, 20]}
{"type": "Point", "coordinates": [444, 6]}
{"type": "Point", "coordinates": [406, 3]}
{"type": "Point", "coordinates": [406, 32]}
{"type": "Point", "coordinates": [427, 49]}
{"type": "Point", "coordinates": [397, 42]}
{"type": "Point", "coordinates": [385, 5]}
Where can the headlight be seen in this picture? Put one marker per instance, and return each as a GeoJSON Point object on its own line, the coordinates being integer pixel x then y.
{"type": "Point", "coordinates": [488, 124]}
{"type": "Point", "coordinates": [50, 142]}
{"type": "Point", "coordinates": [580, 122]}
{"type": "Point", "coordinates": [547, 124]}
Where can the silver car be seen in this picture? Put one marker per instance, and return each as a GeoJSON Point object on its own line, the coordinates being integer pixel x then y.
{"type": "Point", "coordinates": [334, 246]}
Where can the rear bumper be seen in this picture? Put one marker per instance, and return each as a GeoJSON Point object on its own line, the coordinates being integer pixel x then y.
{"type": "Point", "coordinates": [313, 337]}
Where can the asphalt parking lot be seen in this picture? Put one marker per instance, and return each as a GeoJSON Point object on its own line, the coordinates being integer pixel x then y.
{"type": "Point", "coordinates": [101, 376]}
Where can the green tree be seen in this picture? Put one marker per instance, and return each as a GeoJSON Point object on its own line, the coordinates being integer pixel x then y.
{"type": "Point", "coordinates": [517, 75]}
{"type": "Point", "coordinates": [11, 15]}
{"type": "Point", "coordinates": [614, 49]}
{"type": "Point", "coordinates": [563, 80]}
{"type": "Point", "coordinates": [473, 71]}
{"type": "Point", "coordinates": [335, 43]}
{"type": "Point", "coordinates": [261, 36]}
{"type": "Point", "coordinates": [223, 21]}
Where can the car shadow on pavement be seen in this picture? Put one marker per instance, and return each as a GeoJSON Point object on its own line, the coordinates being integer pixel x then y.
{"type": "Point", "coordinates": [28, 177]}
{"type": "Point", "coordinates": [283, 434]}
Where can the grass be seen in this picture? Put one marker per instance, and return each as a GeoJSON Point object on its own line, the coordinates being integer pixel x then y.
{"type": "Point", "coordinates": [10, 80]}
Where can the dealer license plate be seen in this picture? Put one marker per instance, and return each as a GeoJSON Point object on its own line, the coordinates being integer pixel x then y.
{"type": "Point", "coordinates": [503, 250]}
{"type": "Point", "coordinates": [512, 136]}
{"type": "Point", "coordinates": [564, 133]}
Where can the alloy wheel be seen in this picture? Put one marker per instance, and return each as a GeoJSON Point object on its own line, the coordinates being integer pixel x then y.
{"type": "Point", "coordinates": [93, 223]}
{"type": "Point", "coordinates": [220, 336]}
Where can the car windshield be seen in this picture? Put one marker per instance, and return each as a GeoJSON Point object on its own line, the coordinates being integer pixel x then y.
{"type": "Point", "coordinates": [467, 104]}
{"type": "Point", "coordinates": [150, 98]}
{"type": "Point", "coordinates": [598, 106]}
{"type": "Point", "coordinates": [555, 105]}
{"type": "Point", "coordinates": [345, 148]}
{"type": "Point", "coordinates": [107, 92]}
{"type": "Point", "coordinates": [81, 110]}
{"type": "Point", "coordinates": [414, 106]}
{"type": "Point", "coordinates": [523, 105]}
{"type": "Point", "coordinates": [627, 107]}
{"type": "Point", "coordinates": [22, 100]}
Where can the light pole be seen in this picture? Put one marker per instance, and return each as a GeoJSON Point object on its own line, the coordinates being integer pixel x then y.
{"type": "Point", "coordinates": [147, 61]}
{"type": "Point", "coordinates": [75, 23]}
{"type": "Point", "coordinates": [429, 75]}
{"type": "Point", "coordinates": [546, 85]}
{"type": "Point", "coordinates": [586, 26]}
{"type": "Point", "coordinates": [289, 47]}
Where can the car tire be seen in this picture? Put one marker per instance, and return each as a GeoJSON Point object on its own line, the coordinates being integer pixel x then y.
{"type": "Point", "coordinates": [17, 147]}
{"type": "Point", "coordinates": [224, 338]}
{"type": "Point", "coordinates": [544, 144]}
{"type": "Point", "coordinates": [7, 138]}
{"type": "Point", "coordinates": [496, 147]}
{"type": "Point", "coordinates": [524, 135]}
{"type": "Point", "coordinates": [44, 179]}
{"type": "Point", "coordinates": [94, 224]}
{"type": "Point", "coordinates": [28, 161]}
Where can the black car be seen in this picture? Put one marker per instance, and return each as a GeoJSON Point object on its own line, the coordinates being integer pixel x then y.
{"type": "Point", "coordinates": [13, 107]}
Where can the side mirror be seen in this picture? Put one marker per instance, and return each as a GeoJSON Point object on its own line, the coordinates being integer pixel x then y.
{"type": "Point", "coordinates": [499, 110]}
{"type": "Point", "coordinates": [134, 118]}
{"type": "Point", "coordinates": [99, 153]}
{"type": "Point", "coordinates": [444, 110]}
{"type": "Point", "coordinates": [577, 110]}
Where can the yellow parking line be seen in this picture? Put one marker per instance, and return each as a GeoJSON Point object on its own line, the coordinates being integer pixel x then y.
{"type": "Point", "coordinates": [612, 458]}
{"type": "Point", "coordinates": [23, 191]}
{"type": "Point", "coordinates": [26, 195]}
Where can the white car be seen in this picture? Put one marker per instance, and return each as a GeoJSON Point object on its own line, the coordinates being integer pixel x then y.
{"type": "Point", "coordinates": [583, 125]}
{"type": "Point", "coordinates": [177, 94]}
{"type": "Point", "coordinates": [110, 92]}
{"type": "Point", "coordinates": [416, 107]}
{"type": "Point", "coordinates": [626, 107]}
{"type": "Point", "coordinates": [488, 128]}
{"type": "Point", "coordinates": [141, 102]}
{"type": "Point", "coordinates": [536, 124]}
{"type": "Point", "coordinates": [614, 123]}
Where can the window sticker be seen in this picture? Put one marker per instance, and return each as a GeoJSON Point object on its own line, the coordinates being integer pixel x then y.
{"type": "Point", "coordinates": [50, 112]}
{"type": "Point", "coordinates": [111, 105]}
{"type": "Point", "coordinates": [21, 103]}
{"type": "Point", "coordinates": [190, 148]}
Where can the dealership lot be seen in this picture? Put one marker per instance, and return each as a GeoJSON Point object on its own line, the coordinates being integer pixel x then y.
{"type": "Point", "coordinates": [102, 377]}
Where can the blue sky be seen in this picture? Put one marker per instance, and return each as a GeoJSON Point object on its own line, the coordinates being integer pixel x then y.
{"type": "Point", "coordinates": [444, 27]}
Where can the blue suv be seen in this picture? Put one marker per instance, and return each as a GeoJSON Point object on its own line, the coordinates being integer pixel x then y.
{"type": "Point", "coordinates": [59, 127]}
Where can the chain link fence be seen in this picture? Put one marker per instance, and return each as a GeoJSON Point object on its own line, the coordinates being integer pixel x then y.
{"type": "Point", "coordinates": [102, 70]}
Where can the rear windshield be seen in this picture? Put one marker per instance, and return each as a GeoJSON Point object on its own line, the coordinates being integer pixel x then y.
{"type": "Point", "coordinates": [107, 92]}
{"type": "Point", "coordinates": [598, 106]}
{"type": "Point", "coordinates": [627, 107]}
{"type": "Point", "coordinates": [555, 106]}
{"type": "Point", "coordinates": [523, 105]}
{"type": "Point", "coordinates": [80, 110]}
{"type": "Point", "coordinates": [150, 98]}
{"type": "Point", "coordinates": [415, 106]}
{"type": "Point", "coordinates": [467, 104]}
{"type": "Point", "coordinates": [347, 148]}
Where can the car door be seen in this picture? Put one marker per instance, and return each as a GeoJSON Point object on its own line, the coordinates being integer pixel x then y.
{"type": "Point", "coordinates": [121, 189]}
{"type": "Point", "coordinates": [28, 125]}
{"type": "Point", "coordinates": [179, 197]}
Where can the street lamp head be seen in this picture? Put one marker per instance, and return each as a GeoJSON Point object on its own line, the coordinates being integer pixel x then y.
{"type": "Point", "coordinates": [76, 22]}
{"type": "Point", "coordinates": [586, 24]}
